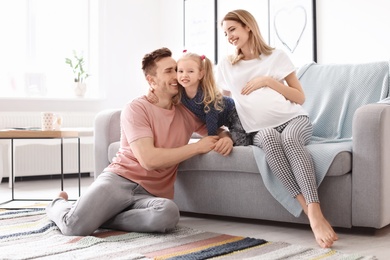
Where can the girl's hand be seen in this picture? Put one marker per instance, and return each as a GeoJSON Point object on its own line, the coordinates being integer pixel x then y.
{"type": "Point", "coordinates": [254, 84]}
{"type": "Point", "coordinates": [224, 146]}
{"type": "Point", "coordinates": [151, 97]}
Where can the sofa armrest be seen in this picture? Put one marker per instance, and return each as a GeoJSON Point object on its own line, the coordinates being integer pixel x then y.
{"type": "Point", "coordinates": [106, 131]}
{"type": "Point", "coordinates": [371, 166]}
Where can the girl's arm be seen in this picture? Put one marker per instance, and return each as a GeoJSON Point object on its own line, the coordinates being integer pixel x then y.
{"type": "Point", "coordinates": [293, 91]}
{"type": "Point", "coordinates": [224, 145]}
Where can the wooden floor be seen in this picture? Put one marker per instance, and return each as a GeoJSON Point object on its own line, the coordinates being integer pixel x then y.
{"type": "Point", "coordinates": [356, 241]}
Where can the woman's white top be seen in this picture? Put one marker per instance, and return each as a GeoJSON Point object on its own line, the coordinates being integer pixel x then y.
{"type": "Point", "coordinates": [264, 107]}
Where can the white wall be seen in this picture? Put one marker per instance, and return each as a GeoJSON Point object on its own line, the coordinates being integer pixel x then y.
{"type": "Point", "coordinates": [128, 30]}
{"type": "Point", "coordinates": [353, 31]}
{"type": "Point", "coordinates": [132, 28]}
{"type": "Point", "coordinates": [348, 31]}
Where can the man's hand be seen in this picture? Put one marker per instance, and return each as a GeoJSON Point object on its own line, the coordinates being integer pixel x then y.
{"type": "Point", "coordinates": [224, 146]}
{"type": "Point", "coordinates": [206, 144]}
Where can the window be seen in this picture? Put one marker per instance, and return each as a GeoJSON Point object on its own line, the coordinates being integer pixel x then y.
{"type": "Point", "coordinates": [37, 36]}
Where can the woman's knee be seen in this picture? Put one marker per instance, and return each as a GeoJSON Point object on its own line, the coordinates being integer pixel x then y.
{"type": "Point", "coordinates": [266, 137]}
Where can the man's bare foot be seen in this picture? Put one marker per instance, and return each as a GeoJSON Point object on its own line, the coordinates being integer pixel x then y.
{"type": "Point", "coordinates": [63, 195]}
{"type": "Point", "coordinates": [323, 231]}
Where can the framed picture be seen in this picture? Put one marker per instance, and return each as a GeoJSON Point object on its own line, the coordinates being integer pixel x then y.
{"type": "Point", "coordinates": [293, 29]}
{"type": "Point", "coordinates": [200, 27]}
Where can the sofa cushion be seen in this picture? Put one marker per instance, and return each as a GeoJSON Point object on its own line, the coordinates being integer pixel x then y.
{"type": "Point", "coordinates": [112, 150]}
{"type": "Point", "coordinates": [242, 160]}
{"type": "Point", "coordinates": [342, 163]}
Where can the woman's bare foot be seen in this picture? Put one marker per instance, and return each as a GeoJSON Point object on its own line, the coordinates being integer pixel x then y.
{"type": "Point", "coordinates": [63, 195]}
{"type": "Point", "coordinates": [323, 231]}
{"type": "Point", "coordinates": [302, 202]}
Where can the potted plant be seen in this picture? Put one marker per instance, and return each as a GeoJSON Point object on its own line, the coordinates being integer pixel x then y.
{"type": "Point", "coordinates": [80, 75]}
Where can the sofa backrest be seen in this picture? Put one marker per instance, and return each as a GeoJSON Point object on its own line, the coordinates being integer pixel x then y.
{"type": "Point", "coordinates": [334, 92]}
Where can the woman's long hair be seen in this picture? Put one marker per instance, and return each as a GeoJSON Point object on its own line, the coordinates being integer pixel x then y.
{"type": "Point", "coordinates": [255, 40]}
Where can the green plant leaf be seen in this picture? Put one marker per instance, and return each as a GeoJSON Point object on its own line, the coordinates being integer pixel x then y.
{"type": "Point", "coordinates": [77, 67]}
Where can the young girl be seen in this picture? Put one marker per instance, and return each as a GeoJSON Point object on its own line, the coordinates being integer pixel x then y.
{"type": "Point", "coordinates": [202, 97]}
{"type": "Point", "coordinates": [268, 98]}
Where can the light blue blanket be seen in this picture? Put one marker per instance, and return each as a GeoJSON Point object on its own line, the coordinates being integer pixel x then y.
{"type": "Point", "coordinates": [333, 93]}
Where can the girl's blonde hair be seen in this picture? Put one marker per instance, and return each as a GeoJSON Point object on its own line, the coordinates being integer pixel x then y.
{"type": "Point", "coordinates": [256, 41]}
{"type": "Point", "coordinates": [211, 93]}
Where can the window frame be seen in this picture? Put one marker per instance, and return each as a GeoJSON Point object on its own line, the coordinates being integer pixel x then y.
{"type": "Point", "coordinates": [31, 52]}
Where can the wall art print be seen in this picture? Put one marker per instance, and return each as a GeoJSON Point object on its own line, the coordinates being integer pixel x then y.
{"type": "Point", "coordinates": [200, 28]}
{"type": "Point", "coordinates": [292, 27]}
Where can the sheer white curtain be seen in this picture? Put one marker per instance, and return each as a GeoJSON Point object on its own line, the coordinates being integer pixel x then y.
{"type": "Point", "coordinates": [36, 37]}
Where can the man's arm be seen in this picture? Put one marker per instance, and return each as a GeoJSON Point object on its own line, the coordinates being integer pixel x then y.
{"type": "Point", "coordinates": [152, 158]}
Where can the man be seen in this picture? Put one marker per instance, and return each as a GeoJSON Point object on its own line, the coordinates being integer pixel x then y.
{"type": "Point", "coordinates": [134, 192]}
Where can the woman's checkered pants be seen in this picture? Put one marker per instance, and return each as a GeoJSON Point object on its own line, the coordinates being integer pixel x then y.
{"type": "Point", "coordinates": [288, 158]}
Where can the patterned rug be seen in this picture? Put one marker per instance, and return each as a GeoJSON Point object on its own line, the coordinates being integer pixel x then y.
{"type": "Point", "coordinates": [28, 234]}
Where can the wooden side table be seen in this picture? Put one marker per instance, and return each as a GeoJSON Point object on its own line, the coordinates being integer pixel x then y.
{"type": "Point", "coordinates": [38, 134]}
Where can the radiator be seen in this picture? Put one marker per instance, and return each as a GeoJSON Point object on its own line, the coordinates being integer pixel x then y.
{"type": "Point", "coordinates": [37, 157]}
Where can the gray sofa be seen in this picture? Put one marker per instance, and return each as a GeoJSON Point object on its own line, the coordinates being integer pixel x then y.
{"type": "Point", "coordinates": [356, 188]}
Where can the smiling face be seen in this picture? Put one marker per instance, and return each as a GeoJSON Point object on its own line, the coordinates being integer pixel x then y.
{"type": "Point", "coordinates": [189, 73]}
{"type": "Point", "coordinates": [236, 33]}
{"type": "Point", "coordinates": [164, 82]}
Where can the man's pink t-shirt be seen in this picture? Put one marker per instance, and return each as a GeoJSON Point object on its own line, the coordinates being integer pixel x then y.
{"type": "Point", "coordinates": [168, 128]}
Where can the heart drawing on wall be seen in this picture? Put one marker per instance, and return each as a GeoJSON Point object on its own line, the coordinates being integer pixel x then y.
{"type": "Point", "coordinates": [289, 25]}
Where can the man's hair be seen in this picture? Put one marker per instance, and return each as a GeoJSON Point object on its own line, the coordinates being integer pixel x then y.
{"type": "Point", "coordinates": [150, 59]}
